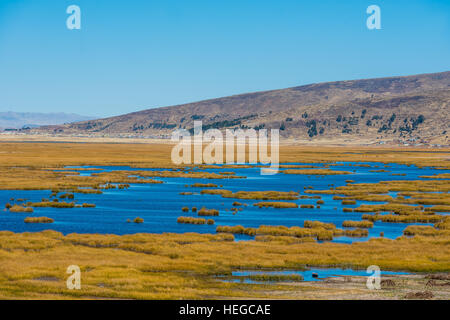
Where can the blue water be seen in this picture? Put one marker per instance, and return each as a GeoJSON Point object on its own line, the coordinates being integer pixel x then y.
{"type": "Point", "coordinates": [160, 204]}
{"type": "Point", "coordinates": [307, 274]}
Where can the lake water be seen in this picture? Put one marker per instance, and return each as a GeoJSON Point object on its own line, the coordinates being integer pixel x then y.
{"type": "Point", "coordinates": [322, 273]}
{"type": "Point", "coordinates": [160, 204]}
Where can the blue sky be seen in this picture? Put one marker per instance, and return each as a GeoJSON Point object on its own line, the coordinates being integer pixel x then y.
{"type": "Point", "coordinates": [133, 55]}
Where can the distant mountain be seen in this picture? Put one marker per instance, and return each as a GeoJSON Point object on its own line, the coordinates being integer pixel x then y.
{"type": "Point", "coordinates": [412, 108]}
{"type": "Point", "coordinates": [18, 120]}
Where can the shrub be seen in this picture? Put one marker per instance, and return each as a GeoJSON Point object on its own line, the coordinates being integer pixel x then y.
{"type": "Point", "coordinates": [185, 209]}
{"type": "Point", "coordinates": [320, 202]}
{"type": "Point", "coordinates": [194, 209]}
{"type": "Point", "coordinates": [210, 221]}
{"type": "Point", "coordinates": [307, 206]}
{"type": "Point", "coordinates": [348, 202]}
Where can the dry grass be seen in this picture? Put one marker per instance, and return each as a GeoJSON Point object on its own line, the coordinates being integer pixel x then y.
{"type": "Point", "coordinates": [191, 220]}
{"type": "Point", "coordinates": [17, 208]}
{"type": "Point", "coordinates": [277, 205]}
{"type": "Point", "coordinates": [38, 220]}
{"type": "Point", "coordinates": [357, 224]}
{"type": "Point", "coordinates": [138, 220]}
{"type": "Point", "coordinates": [208, 212]}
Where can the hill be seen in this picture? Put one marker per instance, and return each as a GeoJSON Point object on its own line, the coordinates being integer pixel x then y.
{"type": "Point", "coordinates": [407, 109]}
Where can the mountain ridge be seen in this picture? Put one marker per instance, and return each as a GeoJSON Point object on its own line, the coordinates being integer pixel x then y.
{"type": "Point", "coordinates": [17, 120]}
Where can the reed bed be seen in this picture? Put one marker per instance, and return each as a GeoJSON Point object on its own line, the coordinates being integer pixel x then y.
{"type": "Point", "coordinates": [403, 218]}
{"type": "Point", "coordinates": [138, 220]}
{"type": "Point", "coordinates": [426, 231]}
{"type": "Point", "coordinates": [204, 185]}
{"type": "Point", "coordinates": [357, 224]}
{"type": "Point", "coordinates": [38, 220]}
{"type": "Point", "coordinates": [51, 204]}
{"type": "Point", "coordinates": [208, 212]}
{"type": "Point", "coordinates": [438, 208]}
{"type": "Point", "coordinates": [318, 230]}
{"type": "Point", "coordinates": [17, 208]}
{"type": "Point", "coordinates": [191, 220]}
{"type": "Point", "coordinates": [318, 224]}
{"type": "Point", "coordinates": [277, 205]}
{"type": "Point", "coordinates": [88, 205]}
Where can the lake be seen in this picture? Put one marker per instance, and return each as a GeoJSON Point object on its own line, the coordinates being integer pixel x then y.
{"type": "Point", "coordinates": [160, 204]}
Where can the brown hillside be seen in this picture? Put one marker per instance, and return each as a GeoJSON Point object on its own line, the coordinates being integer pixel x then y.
{"type": "Point", "coordinates": [405, 109]}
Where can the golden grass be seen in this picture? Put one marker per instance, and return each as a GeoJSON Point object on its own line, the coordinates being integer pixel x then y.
{"type": "Point", "coordinates": [88, 205]}
{"type": "Point", "coordinates": [204, 185]}
{"type": "Point", "coordinates": [208, 212]}
{"type": "Point", "coordinates": [438, 208]}
{"type": "Point", "coordinates": [357, 224]}
{"type": "Point", "coordinates": [138, 220]}
{"type": "Point", "coordinates": [51, 204]}
{"type": "Point", "coordinates": [318, 224]}
{"type": "Point", "coordinates": [277, 205]}
{"type": "Point", "coordinates": [403, 219]}
{"type": "Point", "coordinates": [175, 266]}
{"type": "Point", "coordinates": [191, 220]}
{"type": "Point", "coordinates": [17, 208]}
{"type": "Point", "coordinates": [38, 220]}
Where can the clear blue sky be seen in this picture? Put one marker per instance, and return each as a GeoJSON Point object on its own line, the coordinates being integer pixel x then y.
{"type": "Point", "coordinates": [135, 54]}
